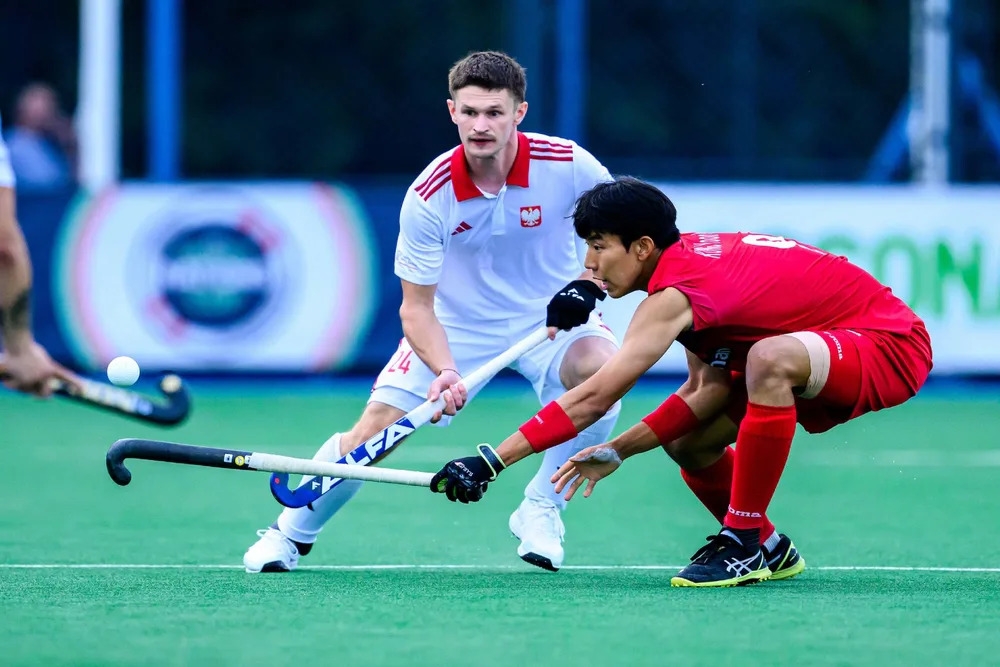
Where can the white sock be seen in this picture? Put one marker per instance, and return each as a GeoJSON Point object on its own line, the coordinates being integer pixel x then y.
{"type": "Point", "coordinates": [303, 524]}
{"type": "Point", "coordinates": [771, 543]}
{"type": "Point", "coordinates": [540, 488]}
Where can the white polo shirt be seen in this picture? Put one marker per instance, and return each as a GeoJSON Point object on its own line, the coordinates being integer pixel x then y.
{"type": "Point", "coordinates": [496, 259]}
{"type": "Point", "coordinates": [6, 172]}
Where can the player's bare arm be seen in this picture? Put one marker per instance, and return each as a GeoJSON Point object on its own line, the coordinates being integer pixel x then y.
{"type": "Point", "coordinates": [429, 341]}
{"type": "Point", "coordinates": [704, 393]}
{"type": "Point", "coordinates": [422, 328]}
{"type": "Point", "coordinates": [15, 279]}
{"type": "Point", "coordinates": [657, 322]}
{"type": "Point", "coordinates": [25, 364]}
{"type": "Point", "coordinates": [706, 389]}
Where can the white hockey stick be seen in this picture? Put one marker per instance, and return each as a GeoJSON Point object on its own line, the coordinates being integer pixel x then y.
{"type": "Point", "coordinates": [376, 446]}
{"type": "Point", "coordinates": [213, 457]}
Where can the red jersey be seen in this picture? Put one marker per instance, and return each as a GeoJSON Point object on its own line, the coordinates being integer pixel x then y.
{"type": "Point", "coordinates": [745, 287]}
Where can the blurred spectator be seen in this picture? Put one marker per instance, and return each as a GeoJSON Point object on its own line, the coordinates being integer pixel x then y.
{"type": "Point", "coordinates": [42, 141]}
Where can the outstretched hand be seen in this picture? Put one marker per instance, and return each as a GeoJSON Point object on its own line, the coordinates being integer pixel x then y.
{"type": "Point", "coordinates": [588, 465]}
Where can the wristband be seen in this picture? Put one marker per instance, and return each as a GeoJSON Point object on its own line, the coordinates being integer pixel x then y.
{"type": "Point", "coordinates": [453, 370]}
{"type": "Point", "coordinates": [671, 420]}
{"type": "Point", "coordinates": [551, 426]}
{"type": "Point", "coordinates": [492, 459]}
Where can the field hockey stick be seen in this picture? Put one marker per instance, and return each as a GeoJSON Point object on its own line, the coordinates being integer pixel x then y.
{"type": "Point", "coordinates": [312, 488]}
{"type": "Point", "coordinates": [170, 411]}
{"type": "Point", "coordinates": [234, 459]}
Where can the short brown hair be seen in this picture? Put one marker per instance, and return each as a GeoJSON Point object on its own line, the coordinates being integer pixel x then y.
{"type": "Point", "coordinates": [490, 70]}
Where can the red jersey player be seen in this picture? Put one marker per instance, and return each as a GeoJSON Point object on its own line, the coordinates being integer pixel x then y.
{"type": "Point", "coordinates": [777, 332]}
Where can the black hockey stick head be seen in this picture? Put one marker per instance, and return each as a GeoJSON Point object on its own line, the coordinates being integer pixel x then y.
{"type": "Point", "coordinates": [116, 462]}
{"type": "Point", "coordinates": [172, 409]}
{"type": "Point", "coordinates": [171, 452]}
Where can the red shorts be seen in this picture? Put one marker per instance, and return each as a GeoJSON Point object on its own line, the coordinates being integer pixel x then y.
{"type": "Point", "coordinates": [869, 371]}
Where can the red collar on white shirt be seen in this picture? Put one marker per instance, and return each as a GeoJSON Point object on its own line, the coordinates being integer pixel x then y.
{"type": "Point", "coordinates": [461, 179]}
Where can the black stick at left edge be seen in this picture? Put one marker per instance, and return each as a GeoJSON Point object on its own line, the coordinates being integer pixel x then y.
{"type": "Point", "coordinates": [170, 452]}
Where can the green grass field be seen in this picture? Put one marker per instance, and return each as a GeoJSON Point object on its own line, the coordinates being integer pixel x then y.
{"type": "Point", "coordinates": [894, 513]}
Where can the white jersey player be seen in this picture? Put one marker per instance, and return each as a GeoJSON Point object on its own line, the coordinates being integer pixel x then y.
{"type": "Point", "coordinates": [485, 241]}
{"type": "Point", "coordinates": [25, 364]}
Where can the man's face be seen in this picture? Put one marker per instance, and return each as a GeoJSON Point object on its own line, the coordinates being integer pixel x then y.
{"type": "Point", "coordinates": [614, 265]}
{"type": "Point", "coordinates": [486, 119]}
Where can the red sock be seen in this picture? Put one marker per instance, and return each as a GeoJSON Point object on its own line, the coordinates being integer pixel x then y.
{"type": "Point", "coordinates": [712, 485]}
{"type": "Point", "coordinates": [762, 448]}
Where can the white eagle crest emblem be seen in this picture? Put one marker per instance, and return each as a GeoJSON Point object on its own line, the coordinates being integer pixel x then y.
{"type": "Point", "coordinates": [531, 216]}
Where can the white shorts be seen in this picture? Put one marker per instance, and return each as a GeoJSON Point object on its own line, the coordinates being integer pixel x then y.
{"type": "Point", "coordinates": [404, 381]}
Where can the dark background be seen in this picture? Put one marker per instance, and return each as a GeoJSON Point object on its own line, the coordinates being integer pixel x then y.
{"type": "Point", "coordinates": [791, 90]}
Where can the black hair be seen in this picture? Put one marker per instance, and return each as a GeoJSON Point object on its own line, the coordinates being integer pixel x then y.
{"type": "Point", "coordinates": [628, 208]}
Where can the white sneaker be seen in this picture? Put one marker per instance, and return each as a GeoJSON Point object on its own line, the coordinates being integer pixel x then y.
{"type": "Point", "coordinates": [273, 552]}
{"type": "Point", "coordinates": [540, 528]}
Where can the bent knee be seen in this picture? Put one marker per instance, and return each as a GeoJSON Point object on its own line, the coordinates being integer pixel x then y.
{"type": "Point", "coordinates": [584, 358]}
{"type": "Point", "coordinates": [576, 374]}
{"type": "Point", "coordinates": [781, 358]}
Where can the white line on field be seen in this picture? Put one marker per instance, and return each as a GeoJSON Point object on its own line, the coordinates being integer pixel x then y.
{"type": "Point", "coordinates": [445, 566]}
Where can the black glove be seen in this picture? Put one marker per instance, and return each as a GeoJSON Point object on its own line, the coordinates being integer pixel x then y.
{"type": "Point", "coordinates": [572, 305]}
{"type": "Point", "coordinates": [465, 480]}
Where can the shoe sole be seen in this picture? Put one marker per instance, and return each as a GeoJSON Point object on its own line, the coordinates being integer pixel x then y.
{"type": "Point", "coordinates": [538, 561]}
{"type": "Point", "coordinates": [275, 566]}
{"type": "Point", "coordinates": [745, 580]}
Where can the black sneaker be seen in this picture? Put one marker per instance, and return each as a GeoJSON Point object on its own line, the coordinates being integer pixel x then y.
{"type": "Point", "coordinates": [785, 561]}
{"type": "Point", "coordinates": [723, 562]}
